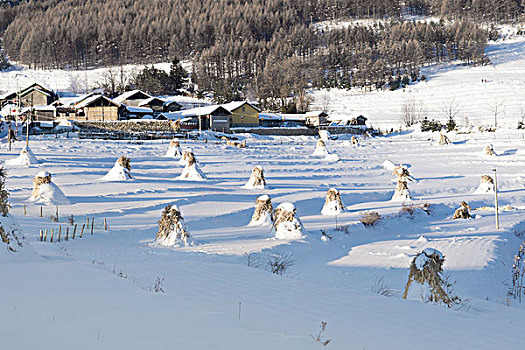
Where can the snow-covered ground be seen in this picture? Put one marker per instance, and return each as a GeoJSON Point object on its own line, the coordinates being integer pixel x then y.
{"type": "Point", "coordinates": [448, 84]}
{"type": "Point", "coordinates": [98, 292]}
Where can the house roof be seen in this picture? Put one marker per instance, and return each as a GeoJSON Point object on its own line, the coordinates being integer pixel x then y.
{"type": "Point", "coordinates": [126, 95]}
{"type": "Point", "coordinates": [231, 106]}
{"type": "Point", "coordinates": [71, 101]}
{"type": "Point", "coordinates": [194, 112]}
{"type": "Point", "coordinates": [149, 100]}
{"type": "Point", "coordinates": [139, 110]}
{"type": "Point", "coordinates": [316, 114]}
{"type": "Point", "coordinates": [86, 102]}
{"type": "Point", "coordinates": [270, 116]}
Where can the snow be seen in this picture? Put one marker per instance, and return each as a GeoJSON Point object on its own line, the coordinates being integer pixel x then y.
{"type": "Point", "coordinates": [251, 184]}
{"type": "Point", "coordinates": [192, 173]}
{"type": "Point", "coordinates": [332, 158]}
{"type": "Point", "coordinates": [320, 151]}
{"type": "Point", "coordinates": [173, 152]}
{"type": "Point", "coordinates": [26, 158]}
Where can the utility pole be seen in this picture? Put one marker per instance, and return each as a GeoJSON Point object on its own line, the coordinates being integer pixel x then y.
{"type": "Point", "coordinates": [496, 199]}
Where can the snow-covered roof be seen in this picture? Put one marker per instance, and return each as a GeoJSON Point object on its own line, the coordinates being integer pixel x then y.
{"type": "Point", "coordinates": [231, 106]}
{"type": "Point", "coordinates": [92, 99]}
{"type": "Point", "coordinates": [146, 101]}
{"type": "Point", "coordinates": [73, 100]}
{"type": "Point", "coordinates": [141, 110]}
{"type": "Point", "coordinates": [315, 113]}
{"type": "Point", "coordinates": [44, 108]}
{"type": "Point", "coordinates": [126, 95]}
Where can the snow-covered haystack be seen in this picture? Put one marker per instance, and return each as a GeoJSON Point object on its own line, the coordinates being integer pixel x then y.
{"type": "Point", "coordinates": [486, 185]}
{"type": "Point", "coordinates": [462, 212]}
{"type": "Point", "coordinates": [174, 149]}
{"type": "Point", "coordinates": [172, 229]}
{"type": "Point", "coordinates": [121, 171]}
{"type": "Point", "coordinates": [191, 171]}
{"type": "Point", "coordinates": [443, 139]}
{"type": "Point", "coordinates": [426, 268]}
{"type": "Point", "coordinates": [324, 135]}
{"type": "Point", "coordinates": [26, 157]}
{"type": "Point", "coordinates": [489, 150]}
{"type": "Point", "coordinates": [45, 191]}
{"type": "Point", "coordinates": [184, 158]}
{"type": "Point", "coordinates": [257, 180]}
{"type": "Point", "coordinates": [388, 165]}
{"type": "Point", "coordinates": [332, 158]}
{"type": "Point", "coordinates": [402, 192]}
{"type": "Point", "coordinates": [287, 226]}
{"type": "Point", "coordinates": [333, 204]}
{"type": "Point", "coordinates": [262, 216]}
{"type": "Point", "coordinates": [354, 141]}
{"type": "Point", "coordinates": [320, 149]}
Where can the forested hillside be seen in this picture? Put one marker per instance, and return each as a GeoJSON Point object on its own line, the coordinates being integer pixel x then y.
{"type": "Point", "coordinates": [268, 49]}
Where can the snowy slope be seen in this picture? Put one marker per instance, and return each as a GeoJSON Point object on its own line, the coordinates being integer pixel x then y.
{"type": "Point", "coordinates": [97, 292]}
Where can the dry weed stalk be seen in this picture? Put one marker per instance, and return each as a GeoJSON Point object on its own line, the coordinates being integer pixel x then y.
{"type": "Point", "coordinates": [171, 226]}
{"type": "Point", "coordinates": [426, 267]}
{"type": "Point", "coordinates": [462, 212]}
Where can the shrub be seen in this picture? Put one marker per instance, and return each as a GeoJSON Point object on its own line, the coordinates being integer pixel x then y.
{"type": "Point", "coordinates": [369, 218]}
{"type": "Point", "coordinates": [279, 263]}
{"type": "Point", "coordinates": [430, 125]}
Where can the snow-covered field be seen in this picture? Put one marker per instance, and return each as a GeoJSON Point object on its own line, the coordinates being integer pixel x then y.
{"type": "Point", "coordinates": [98, 292]}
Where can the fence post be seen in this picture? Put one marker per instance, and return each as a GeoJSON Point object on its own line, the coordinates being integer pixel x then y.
{"type": "Point", "coordinates": [82, 231]}
{"type": "Point", "coordinates": [25, 210]}
{"type": "Point", "coordinates": [67, 233]}
{"type": "Point", "coordinates": [105, 224]}
{"type": "Point", "coordinates": [59, 232]}
{"type": "Point", "coordinates": [41, 236]}
{"type": "Point", "coordinates": [74, 231]}
{"type": "Point", "coordinates": [51, 240]}
{"type": "Point", "coordinates": [92, 224]}
{"type": "Point", "coordinates": [57, 213]}
{"type": "Point", "coordinates": [40, 211]}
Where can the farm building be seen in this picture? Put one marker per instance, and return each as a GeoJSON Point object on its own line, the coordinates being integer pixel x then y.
{"type": "Point", "coordinates": [33, 95]}
{"type": "Point", "coordinates": [214, 118]}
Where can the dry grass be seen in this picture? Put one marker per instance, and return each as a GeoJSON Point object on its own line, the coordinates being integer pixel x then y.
{"type": "Point", "coordinates": [462, 212]}
{"type": "Point", "coordinates": [262, 206]}
{"type": "Point", "coordinates": [369, 218]}
{"type": "Point", "coordinates": [172, 222]}
{"type": "Point", "coordinates": [125, 162]}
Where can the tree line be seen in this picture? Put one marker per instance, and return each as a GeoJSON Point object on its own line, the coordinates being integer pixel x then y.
{"type": "Point", "coordinates": [266, 49]}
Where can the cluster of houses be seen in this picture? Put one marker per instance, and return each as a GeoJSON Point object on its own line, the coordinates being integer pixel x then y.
{"type": "Point", "coordinates": [44, 104]}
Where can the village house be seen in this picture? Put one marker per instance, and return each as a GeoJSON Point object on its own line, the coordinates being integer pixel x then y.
{"type": "Point", "coordinates": [33, 95]}
{"type": "Point", "coordinates": [243, 114]}
{"type": "Point", "coordinates": [214, 118]}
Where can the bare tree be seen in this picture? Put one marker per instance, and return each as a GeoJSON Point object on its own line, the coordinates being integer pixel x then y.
{"type": "Point", "coordinates": [496, 108]}
{"type": "Point", "coordinates": [412, 112]}
{"type": "Point", "coordinates": [451, 109]}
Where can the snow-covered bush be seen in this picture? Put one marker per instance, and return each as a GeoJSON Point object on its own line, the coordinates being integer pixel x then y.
{"type": "Point", "coordinates": [287, 226]}
{"type": "Point", "coordinates": [369, 218]}
{"type": "Point", "coordinates": [257, 180]}
{"type": "Point", "coordinates": [172, 228]}
{"type": "Point", "coordinates": [402, 193]}
{"type": "Point", "coordinates": [262, 216]}
{"type": "Point", "coordinates": [426, 268]}
{"type": "Point", "coordinates": [333, 204]}
{"type": "Point", "coordinates": [121, 171]}
{"type": "Point", "coordinates": [45, 191]}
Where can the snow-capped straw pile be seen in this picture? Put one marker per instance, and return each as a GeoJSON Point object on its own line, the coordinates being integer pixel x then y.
{"type": "Point", "coordinates": [191, 171]}
{"type": "Point", "coordinates": [320, 149]}
{"type": "Point", "coordinates": [121, 171]}
{"type": "Point", "coordinates": [333, 204]}
{"type": "Point", "coordinates": [45, 191]}
{"type": "Point", "coordinates": [172, 228]}
{"type": "Point", "coordinates": [174, 149]}
{"type": "Point", "coordinates": [286, 225]}
{"type": "Point", "coordinates": [486, 185]}
{"type": "Point", "coordinates": [262, 216]}
{"type": "Point", "coordinates": [489, 150]}
{"type": "Point", "coordinates": [26, 157]}
{"type": "Point", "coordinates": [354, 141]}
{"type": "Point", "coordinates": [426, 268]}
{"type": "Point", "coordinates": [443, 139]}
{"type": "Point", "coordinates": [183, 159]}
{"type": "Point", "coordinates": [402, 192]}
{"type": "Point", "coordinates": [462, 212]}
{"type": "Point", "coordinates": [256, 180]}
